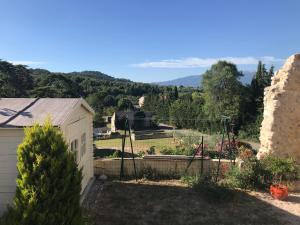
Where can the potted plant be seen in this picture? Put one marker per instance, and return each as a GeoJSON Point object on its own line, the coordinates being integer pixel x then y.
{"type": "Point", "coordinates": [279, 191]}
{"type": "Point", "coordinates": [281, 171]}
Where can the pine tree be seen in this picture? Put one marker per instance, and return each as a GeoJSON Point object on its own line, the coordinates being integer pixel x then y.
{"type": "Point", "coordinates": [269, 76]}
{"type": "Point", "coordinates": [176, 93]}
{"type": "Point", "coordinates": [49, 183]}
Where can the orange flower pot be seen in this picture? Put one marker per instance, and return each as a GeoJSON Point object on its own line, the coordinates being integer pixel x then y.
{"type": "Point", "coordinates": [279, 191]}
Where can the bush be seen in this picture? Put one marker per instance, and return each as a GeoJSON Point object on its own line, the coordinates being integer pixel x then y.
{"type": "Point", "coordinates": [150, 174]}
{"type": "Point", "coordinates": [260, 174]}
{"type": "Point", "coordinates": [151, 151]}
{"type": "Point", "coordinates": [248, 177]}
{"type": "Point", "coordinates": [49, 183]}
{"type": "Point", "coordinates": [140, 154]}
{"type": "Point", "coordinates": [116, 154]}
{"type": "Point", "coordinates": [172, 151]}
{"type": "Point", "coordinates": [280, 169]}
{"type": "Point", "coordinates": [212, 192]}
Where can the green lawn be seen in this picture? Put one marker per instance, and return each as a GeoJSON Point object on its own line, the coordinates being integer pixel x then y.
{"type": "Point", "coordinates": [138, 145]}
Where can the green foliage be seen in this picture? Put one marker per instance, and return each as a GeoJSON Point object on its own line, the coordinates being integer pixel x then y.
{"type": "Point", "coordinates": [280, 169]}
{"type": "Point", "coordinates": [250, 176]}
{"type": "Point", "coordinates": [260, 174]}
{"type": "Point", "coordinates": [15, 81]}
{"type": "Point", "coordinates": [222, 91]}
{"type": "Point", "coordinates": [140, 154]}
{"type": "Point", "coordinates": [173, 151]}
{"type": "Point", "coordinates": [211, 191]}
{"type": "Point", "coordinates": [125, 104]}
{"type": "Point", "coordinates": [49, 183]}
{"type": "Point", "coordinates": [150, 174]}
{"type": "Point", "coordinates": [116, 154]}
{"type": "Point", "coordinates": [151, 150]}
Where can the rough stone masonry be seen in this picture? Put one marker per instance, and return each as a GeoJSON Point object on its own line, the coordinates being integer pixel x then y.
{"type": "Point", "coordinates": [280, 131]}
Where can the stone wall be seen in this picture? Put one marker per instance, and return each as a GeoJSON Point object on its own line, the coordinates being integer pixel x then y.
{"type": "Point", "coordinates": [280, 131]}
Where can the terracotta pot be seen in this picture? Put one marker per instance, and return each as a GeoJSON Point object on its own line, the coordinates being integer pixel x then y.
{"type": "Point", "coordinates": [279, 191]}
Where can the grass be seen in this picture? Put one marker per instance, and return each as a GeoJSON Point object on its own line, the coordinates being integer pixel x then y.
{"type": "Point", "coordinates": [172, 202]}
{"type": "Point", "coordinates": [138, 145]}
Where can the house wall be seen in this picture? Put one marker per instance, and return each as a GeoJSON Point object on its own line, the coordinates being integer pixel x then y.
{"type": "Point", "coordinates": [80, 122]}
{"type": "Point", "coordinates": [9, 141]}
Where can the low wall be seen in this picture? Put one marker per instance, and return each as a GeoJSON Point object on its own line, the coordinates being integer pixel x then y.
{"type": "Point", "coordinates": [162, 165]}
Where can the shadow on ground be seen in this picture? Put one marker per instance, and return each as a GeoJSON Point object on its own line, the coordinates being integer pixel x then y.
{"type": "Point", "coordinates": [156, 203]}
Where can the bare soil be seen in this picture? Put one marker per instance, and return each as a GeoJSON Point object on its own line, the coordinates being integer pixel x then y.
{"type": "Point", "coordinates": [173, 203]}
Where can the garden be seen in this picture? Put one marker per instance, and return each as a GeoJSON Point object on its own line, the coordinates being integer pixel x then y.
{"type": "Point", "coordinates": [251, 192]}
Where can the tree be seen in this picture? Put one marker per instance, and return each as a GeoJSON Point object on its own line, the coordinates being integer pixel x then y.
{"type": "Point", "coordinates": [49, 183]}
{"type": "Point", "coordinates": [176, 93]}
{"type": "Point", "coordinates": [125, 104]}
{"type": "Point", "coordinates": [15, 80]}
{"type": "Point", "coordinates": [260, 81]}
{"type": "Point", "coordinates": [222, 91]}
{"type": "Point", "coordinates": [109, 100]}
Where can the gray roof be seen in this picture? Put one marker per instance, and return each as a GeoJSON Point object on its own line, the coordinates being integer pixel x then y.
{"type": "Point", "coordinates": [22, 112]}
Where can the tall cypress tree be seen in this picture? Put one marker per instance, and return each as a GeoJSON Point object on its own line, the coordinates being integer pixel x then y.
{"type": "Point", "coordinates": [49, 183]}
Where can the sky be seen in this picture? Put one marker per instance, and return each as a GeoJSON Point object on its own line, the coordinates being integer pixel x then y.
{"type": "Point", "coordinates": [148, 40]}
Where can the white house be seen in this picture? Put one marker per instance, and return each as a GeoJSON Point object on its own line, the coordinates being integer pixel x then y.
{"type": "Point", "coordinates": [72, 115]}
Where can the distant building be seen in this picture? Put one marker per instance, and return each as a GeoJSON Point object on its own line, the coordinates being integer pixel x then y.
{"type": "Point", "coordinates": [107, 119]}
{"type": "Point", "coordinates": [141, 101]}
{"type": "Point", "coordinates": [101, 132]}
{"type": "Point", "coordinates": [138, 120]}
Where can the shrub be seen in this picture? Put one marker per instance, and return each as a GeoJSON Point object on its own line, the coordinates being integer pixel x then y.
{"type": "Point", "coordinates": [150, 174]}
{"type": "Point", "coordinates": [49, 183]}
{"type": "Point", "coordinates": [151, 151]}
{"type": "Point", "coordinates": [260, 174]}
{"type": "Point", "coordinates": [249, 176]}
{"type": "Point", "coordinates": [173, 151]}
{"type": "Point", "coordinates": [280, 169]}
{"type": "Point", "coordinates": [116, 154]}
{"type": "Point", "coordinates": [211, 191]}
{"type": "Point", "coordinates": [140, 154]}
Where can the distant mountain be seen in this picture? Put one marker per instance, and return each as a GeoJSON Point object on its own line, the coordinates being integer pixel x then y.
{"type": "Point", "coordinates": [247, 78]}
{"type": "Point", "coordinates": [189, 81]}
{"type": "Point", "coordinates": [195, 80]}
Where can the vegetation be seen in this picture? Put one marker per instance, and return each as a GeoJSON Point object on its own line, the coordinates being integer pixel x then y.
{"type": "Point", "coordinates": [221, 93]}
{"type": "Point", "coordinates": [141, 145]}
{"type": "Point", "coordinates": [49, 183]}
{"type": "Point", "coordinates": [212, 191]}
{"type": "Point", "coordinates": [259, 174]}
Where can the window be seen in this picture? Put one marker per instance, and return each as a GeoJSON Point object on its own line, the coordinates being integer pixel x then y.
{"type": "Point", "coordinates": [74, 148]}
{"type": "Point", "coordinates": [83, 144]}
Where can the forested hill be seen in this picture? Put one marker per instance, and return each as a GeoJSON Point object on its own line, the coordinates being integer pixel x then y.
{"type": "Point", "coordinates": [102, 91]}
{"type": "Point", "coordinates": [87, 74]}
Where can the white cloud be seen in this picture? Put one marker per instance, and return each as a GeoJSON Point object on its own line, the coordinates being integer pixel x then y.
{"type": "Point", "coordinates": [194, 62]}
{"type": "Point", "coordinates": [24, 62]}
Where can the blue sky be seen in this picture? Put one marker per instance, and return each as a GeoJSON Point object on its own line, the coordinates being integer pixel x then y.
{"type": "Point", "coordinates": [148, 40]}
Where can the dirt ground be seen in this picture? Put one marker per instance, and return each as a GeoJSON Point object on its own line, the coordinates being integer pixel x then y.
{"type": "Point", "coordinates": [172, 203]}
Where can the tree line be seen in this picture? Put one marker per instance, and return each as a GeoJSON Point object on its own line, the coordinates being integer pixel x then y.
{"type": "Point", "coordinates": [221, 93]}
